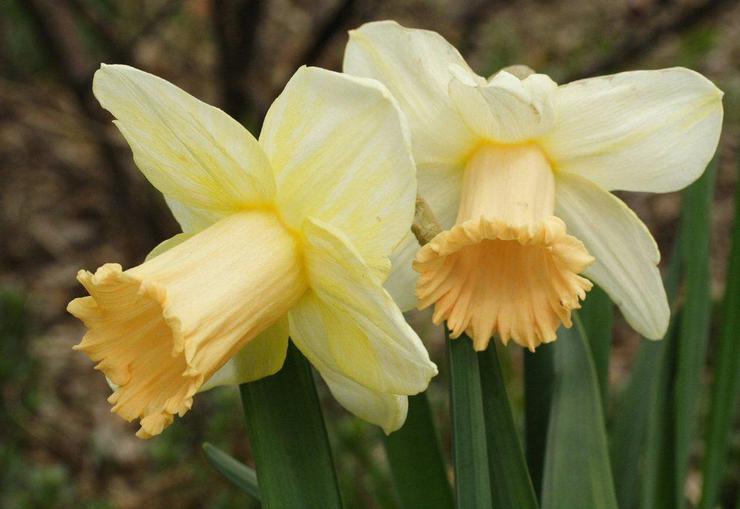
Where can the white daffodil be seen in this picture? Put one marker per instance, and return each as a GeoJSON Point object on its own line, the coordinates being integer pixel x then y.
{"type": "Point", "coordinates": [285, 236]}
{"type": "Point", "coordinates": [519, 173]}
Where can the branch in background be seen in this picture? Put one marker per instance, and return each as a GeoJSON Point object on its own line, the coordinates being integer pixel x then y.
{"type": "Point", "coordinates": [235, 27]}
{"type": "Point", "coordinates": [103, 30]}
{"type": "Point", "coordinates": [325, 33]}
{"type": "Point", "coordinates": [164, 13]}
{"type": "Point", "coordinates": [53, 28]}
{"type": "Point", "coordinates": [471, 20]}
{"type": "Point", "coordinates": [633, 46]}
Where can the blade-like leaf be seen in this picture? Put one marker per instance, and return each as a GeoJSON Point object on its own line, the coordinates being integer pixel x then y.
{"type": "Point", "coordinates": [472, 488]}
{"type": "Point", "coordinates": [726, 387]}
{"type": "Point", "coordinates": [238, 473]}
{"type": "Point", "coordinates": [639, 400]}
{"type": "Point", "coordinates": [538, 383]}
{"type": "Point", "coordinates": [695, 319]}
{"type": "Point", "coordinates": [288, 438]}
{"type": "Point", "coordinates": [511, 487]}
{"type": "Point", "coordinates": [597, 316]}
{"type": "Point", "coordinates": [416, 460]}
{"type": "Point", "coordinates": [577, 473]}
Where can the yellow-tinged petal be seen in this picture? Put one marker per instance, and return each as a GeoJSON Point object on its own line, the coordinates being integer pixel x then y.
{"type": "Point", "coordinates": [192, 152]}
{"type": "Point", "coordinates": [385, 410]}
{"type": "Point", "coordinates": [168, 244]}
{"type": "Point", "coordinates": [262, 356]}
{"type": "Point", "coordinates": [349, 322]}
{"type": "Point", "coordinates": [626, 254]}
{"type": "Point", "coordinates": [160, 330]}
{"type": "Point", "coordinates": [341, 154]}
{"type": "Point", "coordinates": [415, 66]}
{"type": "Point", "coordinates": [637, 131]}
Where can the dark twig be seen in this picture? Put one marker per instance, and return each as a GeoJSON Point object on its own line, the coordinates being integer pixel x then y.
{"type": "Point", "coordinates": [325, 34]}
{"type": "Point", "coordinates": [235, 26]}
{"type": "Point", "coordinates": [633, 45]}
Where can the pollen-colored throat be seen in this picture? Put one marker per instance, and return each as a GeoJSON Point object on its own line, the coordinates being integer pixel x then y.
{"type": "Point", "coordinates": [508, 266]}
{"type": "Point", "coordinates": [160, 330]}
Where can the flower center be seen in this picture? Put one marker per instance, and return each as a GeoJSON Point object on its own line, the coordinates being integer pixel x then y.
{"type": "Point", "coordinates": [508, 266]}
{"type": "Point", "coordinates": [161, 329]}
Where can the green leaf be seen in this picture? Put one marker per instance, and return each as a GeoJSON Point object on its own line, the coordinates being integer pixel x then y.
{"type": "Point", "coordinates": [511, 487]}
{"type": "Point", "coordinates": [416, 460]}
{"type": "Point", "coordinates": [288, 438]}
{"type": "Point", "coordinates": [538, 383]}
{"type": "Point", "coordinates": [577, 473]}
{"type": "Point", "coordinates": [640, 407]}
{"type": "Point", "coordinates": [726, 387]}
{"type": "Point", "coordinates": [239, 474]}
{"type": "Point", "coordinates": [597, 316]}
{"type": "Point", "coordinates": [472, 488]}
{"type": "Point", "coordinates": [695, 320]}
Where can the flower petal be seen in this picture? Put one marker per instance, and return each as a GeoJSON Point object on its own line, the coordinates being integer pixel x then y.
{"type": "Point", "coordinates": [385, 410]}
{"type": "Point", "coordinates": [350, 323]}
{"type": "Point", "coordinates": [262, 356]}
{"type": "Point", "coordinates": [626, 254]}
{"type": "Point", "coordinates": [401, 283]}
{"type": "Point", "coordinates": [192, 152]}
{"type": "Point", "coordinates": [637, 131]}
{"type": "Point", "coordinates": [168, 244]}
{"type": "Point", "coordinates": [341, 154]}
{"type": "Point", "coordinates": [505, 109]}
{"type": "Point", "coordinates": [414, 65]}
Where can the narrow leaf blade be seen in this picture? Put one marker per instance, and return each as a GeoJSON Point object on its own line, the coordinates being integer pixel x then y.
{"type": "Point", "coordinates": [472, 488]}
{"type": "Point", "coordinates": [511, 486]}
{"type": "Point", "coordinates": [538, 384]}
{"type": "Point", "coordinates": [726, 388]}
{"type": "Point", "coordinates": [238, 473]}
{"type": "Point", "coordinates": [577, 472]}
{"type": "Point", "coordinates": [416, 460]}
{"type": "Point", "coordinates": [695, 320]}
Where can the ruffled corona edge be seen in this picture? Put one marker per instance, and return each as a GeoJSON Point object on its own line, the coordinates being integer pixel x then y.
{"type": "Point", "coordinates": [139, 345]}
{"type": "Point", "coordinates": [486, 277]}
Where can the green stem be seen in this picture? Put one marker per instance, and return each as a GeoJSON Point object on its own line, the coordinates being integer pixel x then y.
{"type": "Point", "coordinates": [416, 460]}
{"type": "Point", "coordinates": [288, 438]}
{"type": "Point", "coordinates": [472, 487]}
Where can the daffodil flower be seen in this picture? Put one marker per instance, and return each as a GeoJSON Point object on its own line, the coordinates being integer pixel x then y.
{"type": "Point", "coordinates": [286, 236]}
{"type": "Point", "coordinates": [519, 173]}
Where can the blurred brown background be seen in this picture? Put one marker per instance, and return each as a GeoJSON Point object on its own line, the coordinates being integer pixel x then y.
{"type": "Point", "coordinates": [71, 198]}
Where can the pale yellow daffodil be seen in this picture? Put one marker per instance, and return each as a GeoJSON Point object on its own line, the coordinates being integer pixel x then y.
{"type": "Point", "coordinates": [519, 173]}
{"type": "Point", "coordinates": [286, 236]}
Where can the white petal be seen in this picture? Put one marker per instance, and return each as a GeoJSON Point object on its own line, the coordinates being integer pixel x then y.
{"type": "Point", "coordinates": [192, 152]}
{"type": "Point", "coordinates": [261, 357]}
{"type": "Point", "coordinates": [638, 131]}
{"type": "Point", "coordinates": [341, 154]}
{"type": "Point", "coordinates": [505, 109]}
{"type": "Point", "coordinates": [350, 323]}
{"type": "Point", "coordinates": [626, 254]}
{"type": "Point", "coordinates": [414, 65]}
{"type": "Point", "coordinates": [385, 410]}
{"type": "Point", "coordinates": [401, 283]}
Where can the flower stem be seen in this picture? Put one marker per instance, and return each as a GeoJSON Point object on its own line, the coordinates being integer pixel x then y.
{"type": "Point", "coordinates": [288, 438]}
